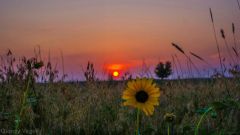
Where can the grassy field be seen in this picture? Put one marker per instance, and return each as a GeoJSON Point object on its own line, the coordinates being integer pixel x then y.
{"type": "Point", "coordinates": [95, 108]}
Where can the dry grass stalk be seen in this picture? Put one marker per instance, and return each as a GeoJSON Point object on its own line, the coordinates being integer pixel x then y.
{"type": "Point", "coordinates": [180, 66]}
{"type": "Point", "coordinates": [233, 28]}
{"type": "Point", "coordinates": [198, 57]}
{"type": "Point", "coordinates": [175, 65]}
{"type": "Point", "coordinates": [211, 15]}
{"type": "Point", "coordinates": [226, 44]}
{"type": "Point", "coordinates": [178, 48]}
{"type": "Point", "coordinates": [188, 58]}
{"type": "Point", "coordinates": [222, 33]}
{"type": "Point", "coordinates": [235, 51]}
{"type": "Point", "coordinates": [238, 5]}
{"type": "Point", "coordinates": [215, 37]}
{"type": "Point", "coordinates": [234, 37]}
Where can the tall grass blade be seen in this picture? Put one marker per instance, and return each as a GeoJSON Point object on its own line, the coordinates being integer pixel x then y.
{"type": "Point", "coordinates": [226, 44]}
{"type": "Point", "coordinates": [198, 57]}
{"type": "Point", "coordinates": [238, 5]}
{"type": "Point", "coordinates": [178, 48]}
{"type": "Point", "coordinates": [179, 63]}
{"type": "Point", "coordinates": [215, 37]}
{"type": "Point", "coordinates": [188, 58]}
{"type": "Point", "coordinates": [222, 33]}
{"type": "Point", "coordinates": [233, 28]}
{"type": "Point", "coordinates": [234, 37]}
{"type": "Point", "coordinates": [211, 15]}
{"type": "Point", "coordinates": [235, 51]}
{"type": "Point", "coordinates": [174, 63]}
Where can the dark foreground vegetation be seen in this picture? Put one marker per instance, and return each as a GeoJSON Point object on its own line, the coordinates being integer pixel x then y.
{"type": "Point", "coordinates": [92, 107]}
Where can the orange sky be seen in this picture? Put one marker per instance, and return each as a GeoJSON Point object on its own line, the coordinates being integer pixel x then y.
{"type": "Point", "coordinates": [113, 31]}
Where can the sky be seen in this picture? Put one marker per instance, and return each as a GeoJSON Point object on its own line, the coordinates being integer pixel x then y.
{"type": "Point", "coordinates": [108, 32]}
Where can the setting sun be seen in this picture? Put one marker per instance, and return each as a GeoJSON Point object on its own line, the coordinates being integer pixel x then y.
{"type": "Point", "coordinates": [115, 74]}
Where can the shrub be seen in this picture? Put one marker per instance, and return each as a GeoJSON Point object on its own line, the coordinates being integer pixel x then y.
{"type": "Point", "coordinates": [163, 70]}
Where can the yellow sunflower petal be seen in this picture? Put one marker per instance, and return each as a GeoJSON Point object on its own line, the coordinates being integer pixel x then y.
{"type": "Point", "coordinates": [148, 108]}
{"type": "Point", "coordinates": [155, 95]}
{"type": "Point", "coordinates": [138, 85]}
{"type": "Point", "coordinates": [145, 111]}
{"type": "Point", "coordinates": [129, 103]}
{"type": "Point", "coordinates": [154, 91]}
{"type": "Point", "coordinates": [139, 105]}
{"type": "Point", "coordinates": [131, 85]}
{"type": "Point", "coordinates": [151, 110]}
{"type": "Point", "coordinates": [128, 94]}
{"type": "Point", "coordinates": [153, 101]}
{"type": "Point", "coordinates": [144, 83]}
{"type": "Point", "coordinates": [126, 97]}
{"type": "Point", "coordinates": [148, 86]}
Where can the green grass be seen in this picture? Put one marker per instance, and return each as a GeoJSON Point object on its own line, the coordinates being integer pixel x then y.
{"type": "Point", "coordinates": [96, 108]}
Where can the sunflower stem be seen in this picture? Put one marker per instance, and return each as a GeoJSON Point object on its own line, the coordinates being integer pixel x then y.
{"type": "Point", "coordinates": [168, 131]}
{"type": "Point", "coordinates": [200, 121]}
{"type": "Point", "coordinates": [137, 123]}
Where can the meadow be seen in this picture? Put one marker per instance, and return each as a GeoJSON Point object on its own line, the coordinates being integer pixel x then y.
{"type": "Point", "coordinates": [95, 107]}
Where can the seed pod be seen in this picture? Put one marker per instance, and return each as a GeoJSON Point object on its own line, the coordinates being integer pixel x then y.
{"type": "Point", "coordinates": [178, 48]}
{"type": "Point", "coordinates": [222, 33]}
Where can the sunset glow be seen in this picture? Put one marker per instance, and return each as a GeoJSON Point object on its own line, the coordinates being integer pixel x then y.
{"type": "Point", "coordinates": [119, 32]}
{"type": "Point", "coordinates": [116, 67]}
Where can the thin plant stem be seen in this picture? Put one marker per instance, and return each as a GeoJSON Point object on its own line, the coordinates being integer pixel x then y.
{"type": "Point", "coordinates": [168, 129]}
{"type": "Point", "coordinates": [179, 65]}
{"type": "Point", "coordinates": [238, 5]}
{"type": "Point", "coordinates": [236, 49]}
{"type": "Point", "coordinates": [194, 66]}
{"type": "Point", "coordinates": [215, 37]}
{"type": "Point", "coordinates": [229, 53]}
{"type": "Point", "coordinates": [174, 63]}
{"type": "Point", "coordinates": [25, 95]}
{"type": "Point", "coordinates": [188, 68]}
{"type": "Point", "coordinates": [201, 119]}
{"type": "Point", "coordinates": [63, 68]}
{"type": "Point", "coordinates": [235, 42]}
{"type": "Point", "coordinates": [137, 122]}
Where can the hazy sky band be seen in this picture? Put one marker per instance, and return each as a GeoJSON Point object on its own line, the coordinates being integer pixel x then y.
{"type": "Point", "coordinates": [114, 31]}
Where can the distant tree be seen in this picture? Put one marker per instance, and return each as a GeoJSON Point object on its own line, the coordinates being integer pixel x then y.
{"type": "Point", "coordinates": [163, 70]}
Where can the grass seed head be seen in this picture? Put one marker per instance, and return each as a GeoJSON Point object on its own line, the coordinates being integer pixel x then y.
{"type": "Point", "coordinates": [178, 48]}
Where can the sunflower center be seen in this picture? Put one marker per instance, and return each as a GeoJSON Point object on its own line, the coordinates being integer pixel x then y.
{"type": "Point", "coordinates": [141, 96]}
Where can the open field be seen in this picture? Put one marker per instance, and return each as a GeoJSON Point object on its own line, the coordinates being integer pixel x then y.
{"type": "Point", "coordinates": [96, 108]}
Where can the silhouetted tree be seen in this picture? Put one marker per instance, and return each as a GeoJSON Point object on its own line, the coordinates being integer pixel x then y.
{"type": "Point", "coordinates": [163, 70]}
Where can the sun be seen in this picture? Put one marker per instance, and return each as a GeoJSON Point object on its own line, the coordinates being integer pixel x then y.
{"type": "Point", "coordinates": [115, 73]}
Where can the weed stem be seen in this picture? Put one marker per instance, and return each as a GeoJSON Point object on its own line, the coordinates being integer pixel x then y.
{"type": "Point", "coordinates": [137, 123]}
{"type": "Point", "coordinates": [201, 119]}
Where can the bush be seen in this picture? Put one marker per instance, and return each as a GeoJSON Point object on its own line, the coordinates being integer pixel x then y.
{"type": "Point", "coordinates": [163, 70]}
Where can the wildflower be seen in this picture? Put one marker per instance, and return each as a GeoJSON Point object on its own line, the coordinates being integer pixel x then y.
{"type": "Point", "coordinates": [142, 94]}
{"type": "Point", "coordinates": [169, 117]}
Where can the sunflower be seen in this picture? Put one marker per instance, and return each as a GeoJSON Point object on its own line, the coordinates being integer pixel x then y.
{"type": "Point", "coordinates": [142, 94]}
